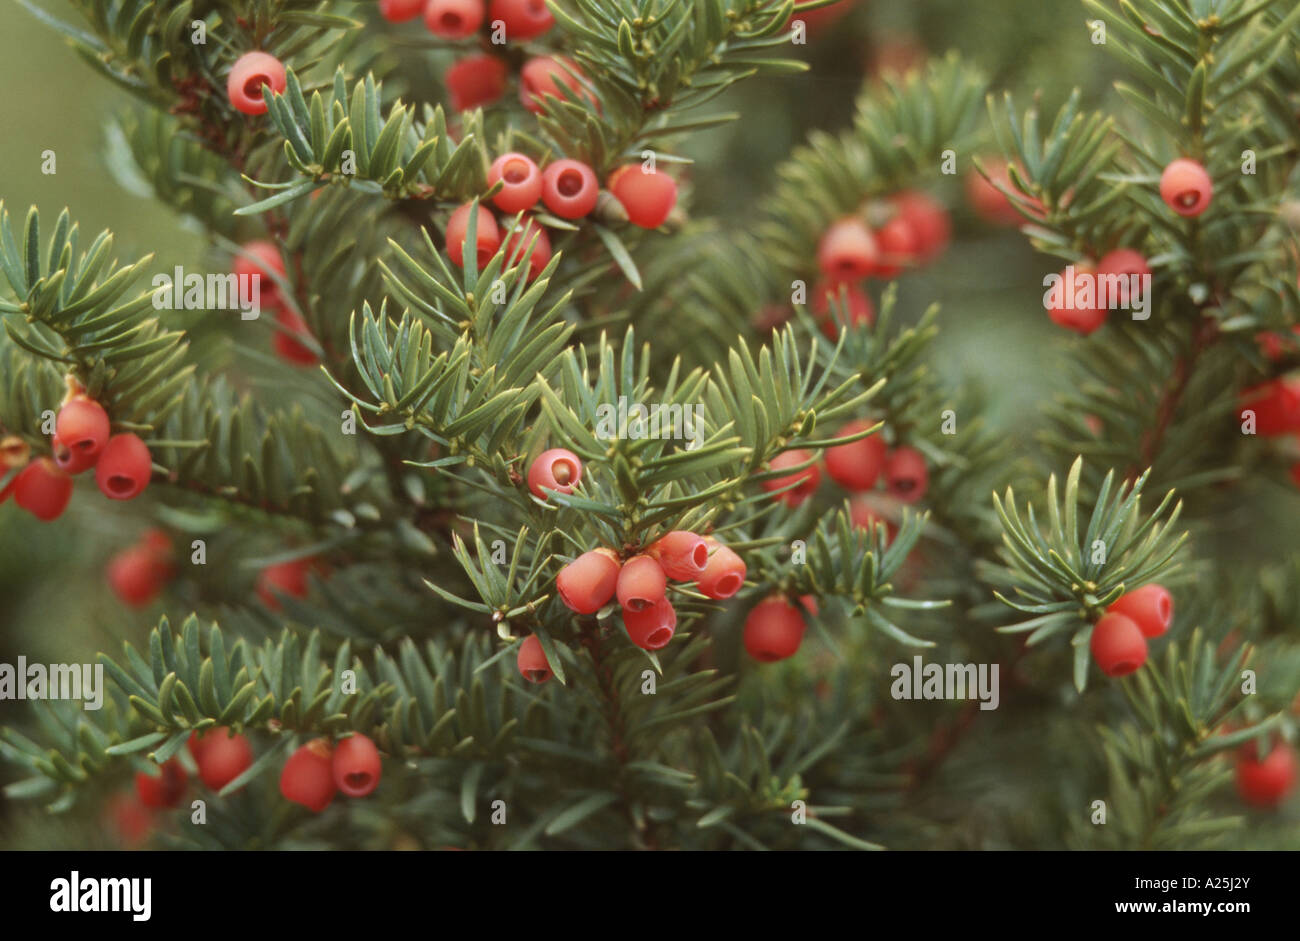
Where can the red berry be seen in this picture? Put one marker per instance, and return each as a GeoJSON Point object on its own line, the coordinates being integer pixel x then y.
{"type": "Point", "coordinates": [1273, 345]}
{"type": "Point", "coordinates": [557, 469]}
{"type": "Point", "coordinates": [865, 511]}
{"type": "Point", "coordinates": [1266, 783]}
{"type": "Point", "coordinates": [929, 220]}
{"type": "Point", "coordinates": [651, 628]}
{"type": "Point", "coordinates": [262, 260]}
{"type": "Point", "coordinates": [487, 235]}
{"type": "Point", "coordinates": [569, 188]}
{"type": "Point", "coordinates": [1276, 405]}
{"type": "Point", "coordinates": [528, 232]}
{"type": "Point", "coordinates": [1071, 312]}
{"type": "Point", "coordinates": [399, 11]}
{"type": "Point", "coordinates": [681, 554]}
{"type": "Point", "coordinates": [137, 574]}
{"type": "Point", "coordinates": [83, 428]}
{"type": "Point", "coordinates": [163, 789]}
{"type": "Point", "coordinates": [857, 465]}
{"type": "Point", "coordinates": [157, 542]}
{"type": "Point", "coordinates": [1123, 261]}
{"type": "Point", "coordinates": [532, 661]}
{"type": "Point", "coordinates": [587, 583]}
{"type": "Point", "coordinates": [1150, 607]}
{"type": "Point", "coordinates": [647, 197]}
{"type": "Point", "coordinates": [195, 745]}
{"type": "Point", "coordinates": [286, 340]}
{"type": "Point", "coordinates": [1124, 264]}
{"type": "Point", "coordinates": [807, 479]}
{"type": "Point", "coordinates": [476, 80]}
{"type": "Point", "coordinates": [124, 467]}
{"type": "Point", "coordinates": [641, 583]}
{"type": "Point", "coordinates": [1118, 645]}
{"type": "Point", "coordinates": [523, 19]}
{"type": "Point", "coordinates": [1186, 187]}
{"type": "Point", "coordinates": [129, 819]}
{"type": "Point", "coordinates": [724, 573]}
{"type": "Point", "coordinates": [900, 248]}
{"type": "Point", "coordinates": [989, 202]}
{"type": "Point", "coordinates": [906, 476]}
{"type": "Point", "coordinates": [288, 578]}
{"type": "Point", "coordinates": [847, 251]}
{"type": "Point", "coordinates": [69, 461]}
{"type": "Point", "coordinates": [521, 182]}
{"type": "Point", "coordinates": [42, 489]}
{"type": "Point", "coordinates": [307, 778]}
{"type": "Point", "coordinates": [548, 75]}
{"type": "Point", "coordinates": [453, 19]}
{"type": "Point", "coordinates": [822, 17]}
{"type": "Point", "coordinates": [809, 603]}
{"type": "Point", "coordinates": [773, 630]}
{"type": "Point", "coordinates": [222, 757]}
{"type": "Point", "coordinates": [250, 72]}
{"type": "Point", "coordinates": [357, 766]}
{"type": "Point", "coordinates": [851, 303]}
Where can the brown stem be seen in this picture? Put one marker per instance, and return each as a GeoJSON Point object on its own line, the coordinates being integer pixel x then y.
{"type": "Point", "coordinates": [945, 739]}
{"type": "Point", "coordinates": [1172, 396]}
{"type": "Point", "coordinates": [614, 718]}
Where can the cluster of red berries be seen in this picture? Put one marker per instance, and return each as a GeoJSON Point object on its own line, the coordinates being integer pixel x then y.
{"type": "Point", "coordinates": [911, 229]}
{"type": "Point", "coordinates": [481, 80]}
{"type": "Point", "coordinates": [82, 439]}
{"type": "Point", "coordinates": [311, 777]}
{"type": "Point", "coordinates": [1088, 312]}
{"type": "Point", "coordinates": [567, 188]}
{"type": "Point", "coordinates": [220, 755]}
{"type": "Point", "coordinates": [640, 584]}
{"type": "Point", "coordinates": [1119, 639]}
{"type": "Point", "coordinates": [1185, 186]}
{"type": "Point", "coordinates": [858, 466]}
{"type": "Point", "coordinates": [775, 627]}
{"type": "Point", "coordinates": [262, 260]}
{"type": "Point", "coordinates": [138, 573]}
{"type": "Point", "coordinates": [318, 770]}
{"type": "Point", "coordinates": [460, 19]}
{"type": "Point", "coordinates": [1266, 782]}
